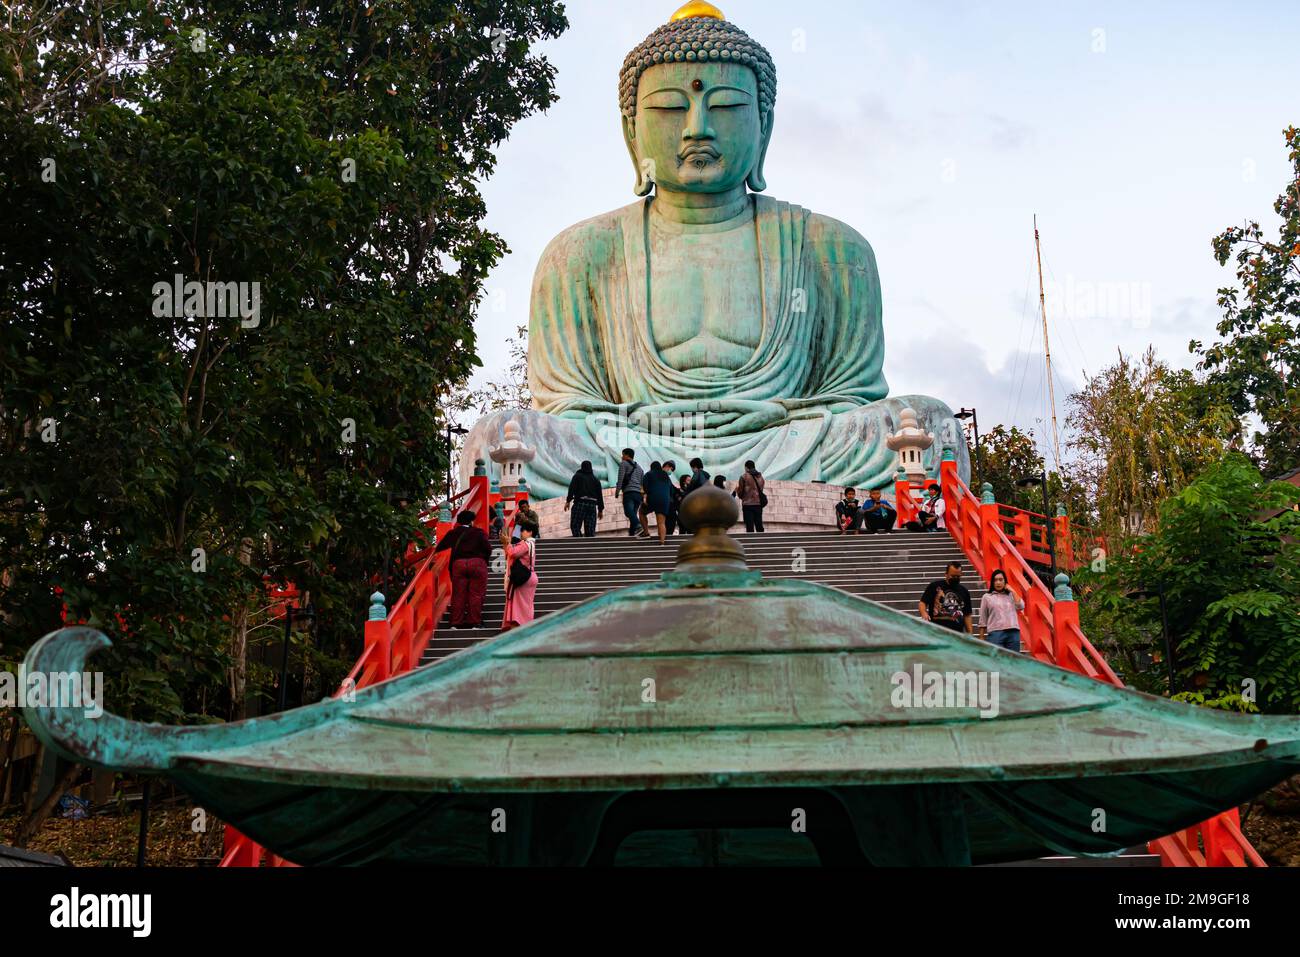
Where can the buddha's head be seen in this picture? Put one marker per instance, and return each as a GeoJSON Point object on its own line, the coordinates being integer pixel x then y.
{"type": "Point", "coordinates": [697, 99]}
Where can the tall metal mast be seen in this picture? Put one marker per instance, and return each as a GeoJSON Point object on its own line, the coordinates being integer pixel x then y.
{"type": "Point", "coordinates": [1047, 349]}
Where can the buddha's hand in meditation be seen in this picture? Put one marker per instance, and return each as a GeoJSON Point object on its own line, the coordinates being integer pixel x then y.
{"type": "Point", "coordinates": [705, 418]}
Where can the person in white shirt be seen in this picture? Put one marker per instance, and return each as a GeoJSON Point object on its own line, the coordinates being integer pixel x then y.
{"type": "Point", "coordinates": [932, 510]}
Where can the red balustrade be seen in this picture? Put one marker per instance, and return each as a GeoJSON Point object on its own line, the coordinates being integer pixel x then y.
{"type": "Point", "coordinates": [1049, 629]}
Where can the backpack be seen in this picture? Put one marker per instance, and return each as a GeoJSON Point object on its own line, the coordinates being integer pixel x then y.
{"type": "Point", "coordinates": [762, 496]}
{"type": "Point", "coordinates": [520, 573]}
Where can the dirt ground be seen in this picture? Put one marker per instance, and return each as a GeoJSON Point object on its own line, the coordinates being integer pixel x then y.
{"type": "Point", "coordinates": [1272, 824]}
{"type": "Point", "coordinates": [109, 840]}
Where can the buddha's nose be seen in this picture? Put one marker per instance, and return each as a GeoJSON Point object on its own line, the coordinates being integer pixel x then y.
{"type": "Point", "coordinates": [697, 123]}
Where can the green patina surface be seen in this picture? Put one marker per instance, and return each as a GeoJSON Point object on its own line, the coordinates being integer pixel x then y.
{"type": "Point", "coordinates": [767, 696]}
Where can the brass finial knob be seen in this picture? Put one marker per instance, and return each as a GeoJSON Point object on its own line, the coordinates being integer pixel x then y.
{"type": "Point", "coordinates": [710, 512]}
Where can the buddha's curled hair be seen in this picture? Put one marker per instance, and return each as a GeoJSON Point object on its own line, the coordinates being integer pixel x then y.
{"type": "Point", "coordinates": [697, 39]}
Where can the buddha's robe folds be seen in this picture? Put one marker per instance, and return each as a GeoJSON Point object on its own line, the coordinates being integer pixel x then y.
{"type": "Point", "coordinates": [593, 365]}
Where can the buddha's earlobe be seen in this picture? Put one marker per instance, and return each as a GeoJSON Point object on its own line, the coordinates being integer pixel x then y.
{"type": "Point", "coordinates": [644, 168]}
{"type": "Point", "coordinates": [755, 180]}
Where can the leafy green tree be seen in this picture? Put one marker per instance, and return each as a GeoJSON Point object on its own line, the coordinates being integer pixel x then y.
{"type": "Point", "coordinates": [160, 464]}
{"type": "Point", "coordinates": [1226, 556]}
{"type": "Point", "coordinates": [1257, 365]}
{"type": "Point", "coordinates": [1140, 431]}
{"type": "Point", "coordinates": [1008, 455]}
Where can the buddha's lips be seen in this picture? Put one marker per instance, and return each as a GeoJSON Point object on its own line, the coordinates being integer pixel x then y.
{"type": "Point", "coordinates": [696, 152]}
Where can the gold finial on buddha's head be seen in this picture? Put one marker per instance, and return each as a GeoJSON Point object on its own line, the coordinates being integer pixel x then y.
{"type": "Point", "coordinates": [697, 8]}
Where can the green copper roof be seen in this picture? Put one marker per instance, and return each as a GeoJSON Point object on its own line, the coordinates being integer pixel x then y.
{"type": "Point", "coordinates": [756, 684]}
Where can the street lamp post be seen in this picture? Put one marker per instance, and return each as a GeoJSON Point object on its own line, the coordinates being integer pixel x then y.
{"type": "Point", "coordinates": [1041, 480]}
{"type": "Point", "coordinates": [304, 614]}
{"type": "Point", "coordinates": [452, 430]}
{"type": "Point", "coordinates": [979, 454]}
{"type": "Point", "coordinates": [1159, 594]}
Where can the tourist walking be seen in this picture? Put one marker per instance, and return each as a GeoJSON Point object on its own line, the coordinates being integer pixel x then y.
{"type": "Point", "coordinates": [468, 561]}
{"type": "Point", "coordinates": [587, 500]}
{"type": "Point", "coordinates": [671, 468]}
{"type": "Point", "coordinates": [630, 476]}
{"type": "Point", "coordinates": [521, 577]}
{"type": "Point", "coordinates": [946, 601]}
{"type": "Point", "coordinates": [658, 486]}
{"type": "Point", "coordinates": [699, 477]}
{"type": "Point", "coordinates": [720, 481]}
{"type": "Point", "coordinates": [749, 489]}
{"type": "Point", "coordinates": [848, 512]}
{"type": "Point", "coordinates": [999, 623]}
{"type": "Point", "coordinates": [878, 514]}
{"type": "Point", "coordinates": [684, 488]}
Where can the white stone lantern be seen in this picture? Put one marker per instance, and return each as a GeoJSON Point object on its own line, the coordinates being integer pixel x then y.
{"type": "Point", "coordinates": [910, 442]}
{"type": "Point", "coordinates": [512, 455]}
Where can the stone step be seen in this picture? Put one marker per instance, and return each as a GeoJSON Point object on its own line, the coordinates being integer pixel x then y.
{"type": "Point", "coordinates": [549, 593]}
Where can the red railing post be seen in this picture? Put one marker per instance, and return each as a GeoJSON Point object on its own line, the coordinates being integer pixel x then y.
{"type": "Point", "coordinates": [948, 480]}
{"type": "Point", "coordinates": [1065, 557]}
{"type": "Point", "coordinates": [240, 851]}
{"type": "Point", "coordinates": [903, 503]}
{"type": "Point", "coordinates": [1065, 612]}
{"type": "Point", "coordinates": [988, 531]}
{"type": "Point", "coordinates": [378, 636]}
{"type": "Point", "coordinates": [479, 496]}
{"type": "Point", "coordinates": [408, 634]}
{"type": "Point", "coordinates": [1221, 849]}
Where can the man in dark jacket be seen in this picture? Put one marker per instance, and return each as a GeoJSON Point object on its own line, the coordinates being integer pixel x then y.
{"type": "Point", "coordinates": [699, 477]}
{"type": "Point", "coordinates": [470, 551]}
{"type": "Point", "coordinates": [630, 475]}
{"type": "Point", "coordinates": [671, 522]}
{"type": "Point", "coordinates": [585, 495]}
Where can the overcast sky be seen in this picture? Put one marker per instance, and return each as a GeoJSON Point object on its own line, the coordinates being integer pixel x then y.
{"type": "Point", "coordinates": [938, 130]}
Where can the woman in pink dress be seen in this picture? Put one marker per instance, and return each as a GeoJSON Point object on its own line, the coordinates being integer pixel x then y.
{"type": "Point", "coordinates": [519, 601]}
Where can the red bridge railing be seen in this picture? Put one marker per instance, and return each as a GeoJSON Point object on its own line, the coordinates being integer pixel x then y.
{"type": "Point", "coordinates": [1049, 628]}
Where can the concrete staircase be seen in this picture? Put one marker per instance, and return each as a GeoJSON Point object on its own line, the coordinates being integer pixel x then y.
{"type": "Point", "coordinates": [891, 568]}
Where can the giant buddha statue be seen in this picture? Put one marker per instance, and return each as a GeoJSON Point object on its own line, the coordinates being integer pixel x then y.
{"type": "Point", "coordinates": [707, 319]}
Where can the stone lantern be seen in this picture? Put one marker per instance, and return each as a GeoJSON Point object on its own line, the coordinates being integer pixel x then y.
{"type": "Point", "coordinates": [512, 455]}
{"type": "Point", "coordinates": [910, 442]}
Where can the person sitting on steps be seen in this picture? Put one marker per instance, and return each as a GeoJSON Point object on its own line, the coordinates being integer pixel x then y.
{"type": "Point", "coordinates": [848, 512]}
{"type": "Point", "coordinates": [878, 514]}
{"type": "Point", "coordinates": [932, 511]}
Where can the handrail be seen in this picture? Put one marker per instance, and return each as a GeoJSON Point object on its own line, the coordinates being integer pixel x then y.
{"type": "Point", "coordinates": [1051, 628]}
{"type": "Point", "coordinates": [434, 509]}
